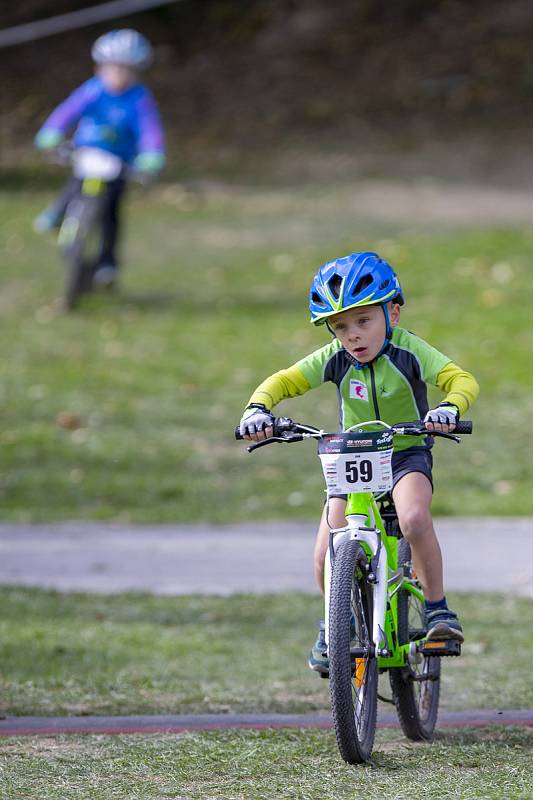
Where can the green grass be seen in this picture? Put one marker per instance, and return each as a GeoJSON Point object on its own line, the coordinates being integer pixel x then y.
{"type": "Point", "coordinates": [124, 654]}
{"type": "Point", "coordinates": [298, 765]}
{"type": "Point", "coordinates": [214, 299]}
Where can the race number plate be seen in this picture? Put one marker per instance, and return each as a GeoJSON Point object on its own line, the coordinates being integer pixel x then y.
{"type": "Point", "coordinates": [356, 462]}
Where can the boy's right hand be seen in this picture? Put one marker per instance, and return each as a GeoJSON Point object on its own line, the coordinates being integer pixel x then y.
{"type": "Point", "coordinates": [256, 423]}
{"type": "Point", "coordinates": [47, 139]}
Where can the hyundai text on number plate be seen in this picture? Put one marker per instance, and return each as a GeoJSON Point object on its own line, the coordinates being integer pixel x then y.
{"type": "Point", "coordinates": [356, 462]}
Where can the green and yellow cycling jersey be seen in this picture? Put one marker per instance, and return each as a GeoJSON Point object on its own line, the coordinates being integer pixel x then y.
{"type": "Point", "coordinates": [392, 388]}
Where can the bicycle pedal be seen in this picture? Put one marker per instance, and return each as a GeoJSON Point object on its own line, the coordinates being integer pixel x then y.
{"type": "Point", "coordinates": [443, 647]}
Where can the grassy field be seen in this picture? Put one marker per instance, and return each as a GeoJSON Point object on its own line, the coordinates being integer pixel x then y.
{"type": "Point", "coordinates": [123, 654]}
{"type": "Point", "coordinates": [213, 300]}
{"type": "Point", "coordinates": [87, 654]}
{"type": "Point", "coordinates": [124, 411]}
{"type": "Point", "coordinates": [297, 765]}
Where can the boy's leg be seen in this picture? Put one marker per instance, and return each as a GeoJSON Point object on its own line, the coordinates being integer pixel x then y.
{"type": "Point", "coordinates": [107, 260]}
{"type": "Point", "coordinates": [52, 216]}
{"type": "Point", "coordinates": [332, 517]}
{"type": "Point", "coordinates": [412, 497]}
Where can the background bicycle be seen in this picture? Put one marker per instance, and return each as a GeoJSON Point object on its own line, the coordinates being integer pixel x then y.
{"type": "Point", "coordinates": [87, 217]}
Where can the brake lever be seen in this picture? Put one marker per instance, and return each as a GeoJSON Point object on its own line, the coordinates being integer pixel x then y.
{"type": "Point", "coordinates": [421, 430]}
{"type": "Point", "coordinates": [296, 437]}
{"type": "Point", "coordinates": [451, 436]}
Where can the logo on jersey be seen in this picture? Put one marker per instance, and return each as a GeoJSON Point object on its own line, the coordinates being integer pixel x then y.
{"type": "Point", "coordinates": [358, 390]}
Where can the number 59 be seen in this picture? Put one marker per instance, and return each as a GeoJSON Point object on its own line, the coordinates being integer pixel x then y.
{"type": "Point", "coordinates": [359, 470]}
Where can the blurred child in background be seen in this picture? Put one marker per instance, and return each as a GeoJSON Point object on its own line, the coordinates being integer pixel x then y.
{"type": "Point", "coordinates": [111, 111]}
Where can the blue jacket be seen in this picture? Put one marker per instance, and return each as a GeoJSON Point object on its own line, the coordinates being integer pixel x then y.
{"type": "Point", "coordinates": [125, 124]}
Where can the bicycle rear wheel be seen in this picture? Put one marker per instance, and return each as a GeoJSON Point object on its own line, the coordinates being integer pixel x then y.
{"type": "Point", "coordinates": [415, 688]}
{"type": "Point", "coordinates": [353, 679]}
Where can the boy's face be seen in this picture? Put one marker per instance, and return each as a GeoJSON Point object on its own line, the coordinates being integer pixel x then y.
{"type": "Point", "coordinates": [361, 331]}
{"type": "Point", "coordinates": [116, 77]}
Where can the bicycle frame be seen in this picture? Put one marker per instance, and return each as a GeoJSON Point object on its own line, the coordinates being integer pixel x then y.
{"type": "Point", "coordinates": [366, 526]}
{"type": "Point", "coordinates": [366, 565]}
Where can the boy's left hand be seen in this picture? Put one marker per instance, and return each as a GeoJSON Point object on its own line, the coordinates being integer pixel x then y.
{"type": "Point", "coordinates": [149, 162]}
{"type": "Point", "coordinates": [442, 419]}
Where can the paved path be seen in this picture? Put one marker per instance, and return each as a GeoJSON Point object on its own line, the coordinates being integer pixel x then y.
{"type": "Point", "coordinates": [181, 723]}
{"type": "Point", "coordinates": [269, 557]}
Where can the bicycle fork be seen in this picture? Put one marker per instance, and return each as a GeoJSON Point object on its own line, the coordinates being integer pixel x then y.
{"type": "Point", "coordinates": [358, 531]}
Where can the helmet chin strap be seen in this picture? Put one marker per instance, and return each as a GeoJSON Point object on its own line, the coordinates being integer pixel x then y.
{"type": "Point", "coordinates": [388, 326]}
{"type": "Point", "coordinates": [388, 334]}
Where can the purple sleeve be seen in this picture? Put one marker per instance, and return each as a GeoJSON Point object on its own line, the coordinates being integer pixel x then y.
{"type": "Point", "coordinates": [151, 137]}
{"type": "Point", "coordinates": [68, 113]}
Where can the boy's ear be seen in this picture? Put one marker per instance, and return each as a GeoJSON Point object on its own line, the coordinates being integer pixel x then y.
{"type": "Point", "coordinates": [394, 313]}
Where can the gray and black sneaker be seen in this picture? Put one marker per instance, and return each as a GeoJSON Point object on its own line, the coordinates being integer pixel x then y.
{"type": "Point", "coordinates": [105, 276]}
{"type": "Point", "coordinates": [47, 220]}
{"type": "Point", "coordinates": [318, 657]}
{"type": "Point", "coordinates": [443, 624]}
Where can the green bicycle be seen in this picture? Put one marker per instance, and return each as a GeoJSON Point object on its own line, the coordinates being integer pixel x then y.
{"type": "Point", "coordinates": [82, 229]}
{"type": "Point", "coordinates": [374, 604]}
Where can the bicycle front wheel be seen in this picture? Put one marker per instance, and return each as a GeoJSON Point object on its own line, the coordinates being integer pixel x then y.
{"type": "Point", "coordinates": [79, 237]}
{"type": "Point", "coordinates": [353, 672]}
{"type": "Point", "coordinates": [416, 687]}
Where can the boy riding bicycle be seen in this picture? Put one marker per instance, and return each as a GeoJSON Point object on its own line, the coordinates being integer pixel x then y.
{"type": "Point", "coordinates": [115, 113]}
{"type": "Point", "coordinates": [381, 371]}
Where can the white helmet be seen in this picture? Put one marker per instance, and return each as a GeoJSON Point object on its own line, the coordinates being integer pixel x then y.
{"type": "Point", "coordinates": [126, 47]}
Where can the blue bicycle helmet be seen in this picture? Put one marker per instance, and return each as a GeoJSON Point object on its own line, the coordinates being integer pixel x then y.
{"type": "Point", "coordinates": [125, 46]}
{"type": "Point", "coordinates": [360, 279]}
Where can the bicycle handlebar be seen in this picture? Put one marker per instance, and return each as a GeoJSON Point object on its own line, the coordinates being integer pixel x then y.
{"type": "Point", "coordinates": [286, 430]}
{"type": "Point", "coordinates": [63, 154]}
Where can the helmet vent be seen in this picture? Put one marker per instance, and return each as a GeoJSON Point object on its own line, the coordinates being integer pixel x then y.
{"type": "Point", "coordinates": [315, 297]}
{"type": "Point", "coordinates": [362, 284]}
{"type": "Point", "coordinates": [384, 284]}
{"type": "Point", "coordinates": [335, 283]}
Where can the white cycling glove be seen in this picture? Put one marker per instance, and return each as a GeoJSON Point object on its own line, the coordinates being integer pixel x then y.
{"type": "Point", "coordinates": [444, 414]}
{"type": "Point", "coordinates": [255, 418]}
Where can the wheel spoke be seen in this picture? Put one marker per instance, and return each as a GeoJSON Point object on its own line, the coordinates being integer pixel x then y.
{"type": "Point", "coordinates": [360, 638]}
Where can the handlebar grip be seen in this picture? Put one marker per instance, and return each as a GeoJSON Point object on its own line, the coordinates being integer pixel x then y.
{"type": "Point", "coordinates": [463, 426]}
{"type": "Point", "coordinates": [238, 433]}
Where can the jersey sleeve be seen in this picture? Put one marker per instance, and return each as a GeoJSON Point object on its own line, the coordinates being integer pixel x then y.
{"type": "Point", "coordinates": [282, 385]}
{"type": "Point", "coordinates": [68, 113]}
{"type": "Point", "coordinates": [150, 130]}
{"type": "Point", "coordinates": [314, 366]}
{"type": "Point", "coordinates": [308, 373]}
{"type": "Point", "coordinates": [460, 386]}
{"type": "Point", "coordinates": [430, 360]}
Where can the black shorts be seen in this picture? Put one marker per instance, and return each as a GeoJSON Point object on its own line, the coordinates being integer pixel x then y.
{"type": "Point", "coordinates": [413, 459]}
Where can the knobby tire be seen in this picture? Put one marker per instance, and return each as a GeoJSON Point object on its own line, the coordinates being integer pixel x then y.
{"type": "Point", "coordinates": [353, 683]}
{"type": "Point", "coordinates": [417, 702]}
{"type": "Point", "coordinates": [82, 214]}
